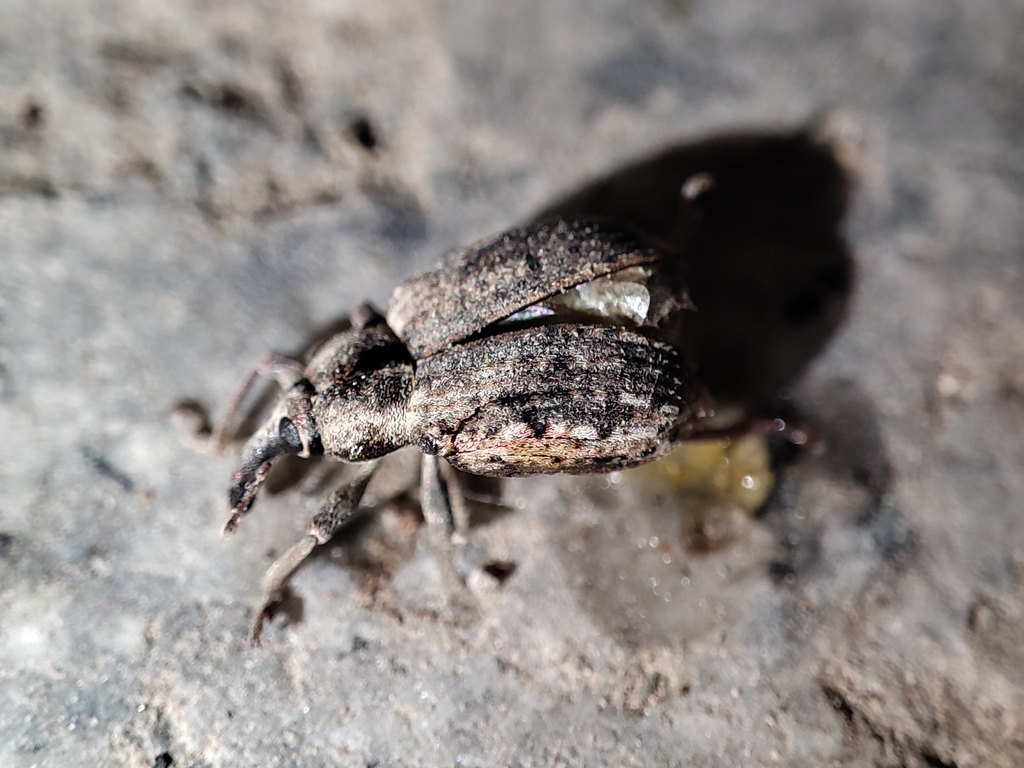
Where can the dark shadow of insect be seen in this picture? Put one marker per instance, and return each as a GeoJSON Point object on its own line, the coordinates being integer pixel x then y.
{"type": "Point", "coordinates": [570, 345]}
{"type": "Point", "coordinates": [761, 251]}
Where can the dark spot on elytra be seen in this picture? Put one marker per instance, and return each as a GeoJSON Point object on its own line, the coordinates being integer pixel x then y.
{"type": "Point", "coordinates": [558, 365]}
{"type": "Point", "coordinates": [532, 262]}
{"type": "Point", "coordinates": [163, 760]}
{"type": "Point", "coordinates": [533, 420]}
{"type": "Point", "coordinates": [624, 412]}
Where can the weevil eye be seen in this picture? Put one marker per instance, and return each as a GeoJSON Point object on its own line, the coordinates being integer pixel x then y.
{"type": "Point", "coordinates": [288, 433]}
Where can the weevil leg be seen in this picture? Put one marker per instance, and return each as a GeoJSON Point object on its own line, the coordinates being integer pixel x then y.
{"type": "Point", "coordinates": [285, 371]}
{"type": "Point", "coordinates": [437, 510]}
{"type": "Point", "coordinates": [456, 498]}
{"type": "Point", "coordinates": [447, 516]}
{"type": "Point", "coordinates": [340, 508]}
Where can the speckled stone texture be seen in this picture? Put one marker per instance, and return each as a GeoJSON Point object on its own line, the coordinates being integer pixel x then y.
{"type": "Point", "coordinates": [186, 185]}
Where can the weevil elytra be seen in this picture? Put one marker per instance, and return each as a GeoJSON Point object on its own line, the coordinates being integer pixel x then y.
{"type": "Point", "coordinates": [534, 352]}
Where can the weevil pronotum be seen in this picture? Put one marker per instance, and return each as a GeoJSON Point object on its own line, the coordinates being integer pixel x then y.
{"type": "Point", "coordinates": [534, 352]}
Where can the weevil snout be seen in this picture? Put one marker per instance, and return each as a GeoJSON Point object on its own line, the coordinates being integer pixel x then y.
{"type": "Point", "coordinates": [291, 429]}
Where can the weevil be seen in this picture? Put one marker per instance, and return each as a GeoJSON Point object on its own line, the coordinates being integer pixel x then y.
{"type": "Point", "coordinates": [536, 351]}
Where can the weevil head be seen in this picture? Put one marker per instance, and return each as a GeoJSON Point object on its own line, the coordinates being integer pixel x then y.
{"type": "Point", "coordinates": [291, 428]}
{"type": "Point", "coordinates": [352, 405]}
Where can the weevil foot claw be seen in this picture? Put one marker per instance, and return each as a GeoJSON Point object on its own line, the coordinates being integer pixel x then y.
{"type": "Point", "coordinates": [265, 614]}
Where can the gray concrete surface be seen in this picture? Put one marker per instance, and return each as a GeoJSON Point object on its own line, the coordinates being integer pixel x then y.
{"type": "Point", "coordinates": [186, 185]}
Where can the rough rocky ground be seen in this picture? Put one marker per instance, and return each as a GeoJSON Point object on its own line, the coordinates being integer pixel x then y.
{"type": "Point", "coordinates": [183, 186]}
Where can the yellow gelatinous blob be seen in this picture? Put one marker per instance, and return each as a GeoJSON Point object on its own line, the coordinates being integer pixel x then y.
{"type": "Point", "coordinates": [717, 485]}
